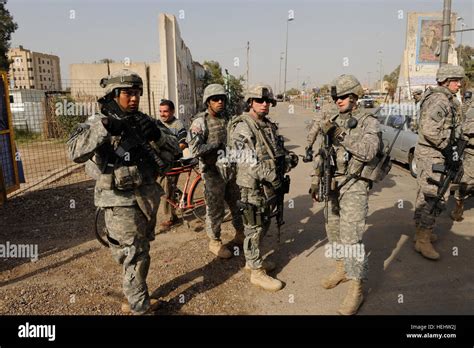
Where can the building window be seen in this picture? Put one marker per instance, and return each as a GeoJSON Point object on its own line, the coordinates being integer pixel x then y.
{"type": "Point", "coordinates": [43, 62]}
{"type": "Point", "coordinates": [13, 69]}
{"type": "Point", "coordinates": [39, 61]}
{"type": "Point", "coordinates": [32, 86]}
{"type": "Point", "coordinates": [29, 60]}
{"type": "Point", "coordinates": [32, 77]}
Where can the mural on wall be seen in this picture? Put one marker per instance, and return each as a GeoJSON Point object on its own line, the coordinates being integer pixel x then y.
{"type": "Point", "coordinates": [429, 40]}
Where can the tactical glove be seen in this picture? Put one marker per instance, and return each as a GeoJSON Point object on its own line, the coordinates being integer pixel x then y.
{"type": "Point", "coordinates": [113, 125]}
{"type": "Point", "coordinates": [149, 129]}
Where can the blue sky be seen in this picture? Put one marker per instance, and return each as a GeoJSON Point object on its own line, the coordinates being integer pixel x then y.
{"type": "Point", "coordinates": [322, 35]}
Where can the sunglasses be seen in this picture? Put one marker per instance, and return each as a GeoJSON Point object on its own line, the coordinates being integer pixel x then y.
{"type": "Point", "coordinates": [216, 98]}
{"type": "Point", "coordinates": [342, 97]}
{"type": "Point", "coordinates": [263, 100]}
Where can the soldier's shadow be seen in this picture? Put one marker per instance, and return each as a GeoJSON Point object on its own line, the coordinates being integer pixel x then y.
{"type": "Point", "coordinates": [303, 231]}
{"type": "Point", "coordinates": [202, 279]}
{"type": "Point", "coordinates": [401, 281]}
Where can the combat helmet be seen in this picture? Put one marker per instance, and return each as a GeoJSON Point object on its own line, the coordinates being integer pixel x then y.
{"type": "Point", "coordinates": [344, 85]}
{"type": "Point", "coordinates": [449, 71]}
{"type": "Point", "coordinates": [260, 91]}
{"type": "Point", "coordinates": [213, 90]}
{"type": "Point", "coordinates": [121, 79]}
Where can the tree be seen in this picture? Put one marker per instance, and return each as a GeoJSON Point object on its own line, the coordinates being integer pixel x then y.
{"type": "Point", "coordinates": [7, 27]}
{"type": "Point", "coordinates": [466, 60]}
{"type": "Point", "coordinates": [392, 80]}
{"type": "Point", "coordinates": [213, 73]}
{"type": "Point", "coordinates": [292, 91]}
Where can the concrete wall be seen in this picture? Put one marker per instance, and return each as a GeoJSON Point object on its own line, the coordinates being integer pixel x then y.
{"type": "Point", "coordinates": [27, 109]}
{"type": "Point", "coordinates": [177, 68]}
{"type": "Point", "coordinates": [419, 64]}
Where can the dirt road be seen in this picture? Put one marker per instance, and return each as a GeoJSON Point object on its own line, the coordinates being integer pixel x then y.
{"type": "Point", "coordinates": [75, 275]}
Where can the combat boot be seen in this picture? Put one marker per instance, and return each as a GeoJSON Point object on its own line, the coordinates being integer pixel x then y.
{"type": "Point", "coordinates": [423, 244]}
{"type": "Point", "coordinates": [260, 278]}
{"type": "Point", "coordinates": [154, 303]}
{"type": "Point", "coordinates": [267, 265]}
{"type": "Point", "coordinates": [336, 277]}
{"type": "Point", "coordinates": [216, 247]}
{"type": "Point", "coordinates": [238, 238]}
{"type": "Point", "coordinates": [458, 210]}
{"type": "Point", "coordinates": [353, 299]}
{"type": "Point", "coordinates": [433, 237]}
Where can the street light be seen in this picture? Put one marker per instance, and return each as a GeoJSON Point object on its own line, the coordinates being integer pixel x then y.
{"type": "Point", "coordinates": [381, 81]}
{"type": "Point", "coordinates": [279, 76]}
{"type": "Point", "coordinates": [298, 78]}
{"type": "Point", "coordinates": [460, 48]}
{"type": "Point", "coordinates": [286, 56]}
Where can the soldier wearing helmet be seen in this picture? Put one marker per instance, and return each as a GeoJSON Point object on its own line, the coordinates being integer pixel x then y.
{"type": "Point", "coordinates": [353, 138]}
{"type": "Point", "coordinates": [439, 127]}
{"type": "Point", "coordinates": [466, 186]}
{"type": "Point", "coordinates": [256, 140]}
{"type": "Point", "coordinates": [118, 145]}
{"type": "Point", "coordinates": [207, 140]}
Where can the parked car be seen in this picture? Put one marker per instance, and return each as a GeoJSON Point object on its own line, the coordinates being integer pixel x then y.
{"type": "Point", "coordinates": [366, 101]}
{"type": "Point", "coordinates": [279, 97]}
{"type": "Point", "coordinates": [392, 118]}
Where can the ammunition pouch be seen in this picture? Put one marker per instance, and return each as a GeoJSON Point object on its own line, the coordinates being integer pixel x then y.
{"type": "Point", "coordinates": [253, 215]}
{"type": "Point", "coordinates": [127, 178]}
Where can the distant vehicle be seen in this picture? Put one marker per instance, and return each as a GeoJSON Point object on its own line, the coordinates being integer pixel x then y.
{"type": "Point", "coordinates": [392, 118]}
{"type": "Point", "coordinates": [366, 101]}
{"type": "Point", "coordinates": [279, 97]}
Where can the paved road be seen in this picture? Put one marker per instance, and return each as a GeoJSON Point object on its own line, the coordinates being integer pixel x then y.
{"type": "Point", "coordinates": [400, 280]}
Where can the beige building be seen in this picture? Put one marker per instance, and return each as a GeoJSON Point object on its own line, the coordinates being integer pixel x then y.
{"type": "Point", "coordinates": [33, 70]}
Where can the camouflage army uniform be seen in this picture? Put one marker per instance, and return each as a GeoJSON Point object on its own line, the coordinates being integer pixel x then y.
{"type": "Point", "coordinates": [176, 128]}
{"type": "Point", "coordinates": [440, 115]}
{"type": "Point", "coordinates": [466, 186]}
{"type": "Point", "coordinates": [207, 140]}
{"type": "Point", "coordinates": [128, 193]}
{"type": "Point", "coordinates": [251, 173]}
{"type": "Point", "coordinates": [348, 206]}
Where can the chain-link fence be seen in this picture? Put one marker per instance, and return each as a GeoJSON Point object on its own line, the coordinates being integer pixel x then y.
{"type": "Point", "coordinates": [43, 121]}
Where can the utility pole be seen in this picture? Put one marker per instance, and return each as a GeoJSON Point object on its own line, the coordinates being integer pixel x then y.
{"type": "Point", "coordinates": [279, 76]}
{"type": "Point", "coordinates": [286, 56]}
{"type": "Point", "coordinates": [248, 53]}
{"type": "Point", "coordinates": [443, 57]}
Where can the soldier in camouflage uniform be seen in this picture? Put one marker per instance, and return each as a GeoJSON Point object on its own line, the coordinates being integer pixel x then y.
{"type": "Point", "coordinates": [355, 138]}
{"type": "Point", "coordinates": [207, 140]}
{"type": "Point", "coordinates": [125, 174]}
{"type": "Point", "coordinates": [176, 127]}
{"type": "Point", "coordinates": [256, 140]}
{"type": "Point", "coordinates": [466, 185]}
{"type": "Point", "coordinates": [440, 124]}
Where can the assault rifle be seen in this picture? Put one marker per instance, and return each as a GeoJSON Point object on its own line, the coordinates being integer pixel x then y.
{"type": "Point", "coordinates": [133, 138]}
{"type": "Point", "coordinates": [451, 171]}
